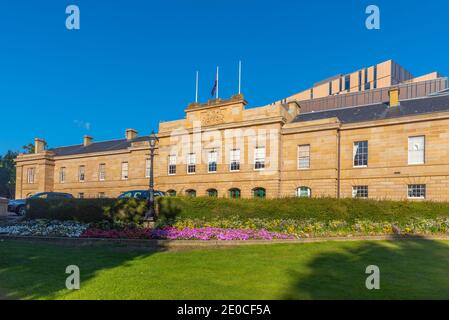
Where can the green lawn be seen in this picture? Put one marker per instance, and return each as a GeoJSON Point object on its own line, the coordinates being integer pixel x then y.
{"type": "Point", "coordinates": [329, 270]}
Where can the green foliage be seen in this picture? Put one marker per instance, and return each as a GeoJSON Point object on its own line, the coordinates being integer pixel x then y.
{"type": "Point", "coordinates": [7, 175]}
{"type": "Point", "coordinates": [321, 209]}
{"type": "Point", "coordinates": [87, 210]}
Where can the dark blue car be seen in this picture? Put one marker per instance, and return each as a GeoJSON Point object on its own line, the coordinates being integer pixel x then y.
{"type": "Point", "coordinates": [19, 206]}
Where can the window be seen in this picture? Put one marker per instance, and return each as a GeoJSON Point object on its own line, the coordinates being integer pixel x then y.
{"type": "Point", "coordinates": [125, 170]}
{"type": "Point", "coordinates": [311, 94]}
{"type": "Point", "coordinates": [330, 88]}
{"type": "Point", "coordinates": [303, 192]}
{"type": "Point", "coordinates": [102, 172]}
{"type": "Point", "coordinates": [348, 83]}
{"type": "Point", "coordinates": [82, 173]}
{"type": "Point", "coordinates": [81, 195]}
{"type": "Point", "coordinates": [360, 154]}
{"type": "Point", "coordinates": [147, 168]}
{"type": "Point", "coordinates": [212, 161]}
{"type": "Point", "coordinates": [234, 193]}
{"type": "Point", "coordinates": [304, 156]}
{"type": "Point", "coordinates": [259, 193]}
{"type": "Point", "coordinates": [360, 80]}
{"type": "Point", "coordinates": [191, 163]}
{"type": "Point", "coordinates": [31, 175]}
{"type": "Point", "coordinates": [416, 149]}
{"type": "Point", "coordinates": [416, 191]}
{"type": "Point", "coordinates": [235, 160]}
{"type": "Point", "coordinates": [360, 192]}
{"type": "Point", "coordinates": [62, 175]}
{"type": "Point", "coordinates": [191, 193]}
{"type": "Point", "coordinates": [340, 85]}
{"type": "Point", "coordinates": [171, 193]}
{"type": "Point", "coordinates": [259, 158]}
{"type": "Point", "coordinates": [375, 77]}
{"type": "Point", "coordinates": [367, 83]}
{"type": "Point", "coordinates": [212, 193]}
{"type": "Point", "coordinates": [172, 165]}
{"type": "Point", "coordinates": [101, 195]}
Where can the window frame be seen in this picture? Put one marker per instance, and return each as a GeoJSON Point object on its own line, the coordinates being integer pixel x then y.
{"type": "Point", "coordinates": [299, 190]}
{"type": "Point", "coordinates": [62, 174]}
{"type": "Point", "coordinates": [233, 161]}
{"type": "Point", "coordinates": [31, 175]}
{"type": "Point", "coordinates": [190, 164]}
{"type": "Point", "coordinates": [122, 173]}
{"type": "Point", "coordinates": [212, 163]}
{"type": "Point", "coordinates": [102, 173]}
{"type": "Point", "coordinates": [147, 167]}
{"type": "Point", "coordinates": [259, 189]}
{"type": "Point", "coordinates": [417, 185]}
{"type": "Point", "coordinates": [210, 191]}
{"type": "Point", "coordinates": [299, 157]}
{"type": "Point", "coordinates": [230, 192]}
{"type": "Point", "coordinates": [423, 150]}
{"type": "Point", "coordinates": [82, 173]}
{"type": "Point", "coordinates": [256, 157]}
{"type": "Point", "coordinates": [362, 189]}
{"type": "Point", "coordinates": [354, 154]}
{"type": "Point", "coordinates": [171, 167]}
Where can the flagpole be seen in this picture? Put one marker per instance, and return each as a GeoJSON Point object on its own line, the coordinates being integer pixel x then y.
{"type": "Point", "coordinates": [240, 76]}
{"type": "Point", "coordinates": [196, 88]}
{"type": "Point", "coordinates": [216, 92]}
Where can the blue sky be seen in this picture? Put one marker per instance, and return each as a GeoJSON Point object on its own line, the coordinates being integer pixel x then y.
{"type": "Point", "coordinates": [133, 62]}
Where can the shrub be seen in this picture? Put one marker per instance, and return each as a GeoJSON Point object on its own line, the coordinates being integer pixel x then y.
{"type": "Point", "coordinates": [322, 209]}
{"type": "Point", "coordinates": [87, 210]}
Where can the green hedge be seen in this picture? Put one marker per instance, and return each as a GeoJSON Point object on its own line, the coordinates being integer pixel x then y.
{"type": "Point", "coordinates": [324, 209]}
{"type": "Point", "coordinates": [87, 210]}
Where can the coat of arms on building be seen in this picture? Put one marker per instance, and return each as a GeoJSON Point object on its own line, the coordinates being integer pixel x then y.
{"type": "Point", "coordinates": [212, 117]}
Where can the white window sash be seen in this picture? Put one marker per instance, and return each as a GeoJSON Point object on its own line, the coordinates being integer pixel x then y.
{"type": "Point", "coordinates": [416, 150]}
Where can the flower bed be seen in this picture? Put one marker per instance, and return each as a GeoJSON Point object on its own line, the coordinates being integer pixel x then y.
{"type": "Point", "coordinates": [233, 228]}
{"type": "Point", "coordinates": [186, 234]}
{"type": "Point", "coordinates": [314, 228]}
{"type": "Point", "coordinates": [46, 229]}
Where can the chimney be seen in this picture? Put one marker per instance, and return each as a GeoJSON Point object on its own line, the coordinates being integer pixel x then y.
{"type": "Point", "coordinates": [87, 140]}
{"type": "Point", "coordinates": [394, 97]}
{"type": "Point", "coordinates": [39, 145]}
{"type": "Point", "coordinates": [294, 108]}
{"type": "Point", "coordinates": [130, 134]}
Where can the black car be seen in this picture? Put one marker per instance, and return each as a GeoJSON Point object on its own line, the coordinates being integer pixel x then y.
{"type": "Point", "coordinates": [140, 194]}
{"type": "Point", "coordinates": [19, 206]}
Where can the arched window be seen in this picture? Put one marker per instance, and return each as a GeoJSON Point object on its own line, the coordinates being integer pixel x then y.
{"type": "Point", "coordinates": [191, 193]}
{"type": "Point", "coordinates": [212, 193]}
{"type": "Point", "coordinates": [303, 192]}
{"type": "Point", "coordinates": [259, 193]}
{"type": "Point", "coordinates": [171, 193]}
{"type": "Point", "coordinates": [234, 193]}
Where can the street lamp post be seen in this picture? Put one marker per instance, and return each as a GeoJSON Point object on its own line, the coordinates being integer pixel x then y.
{"type": "Point", "coordinates": [149, 216]}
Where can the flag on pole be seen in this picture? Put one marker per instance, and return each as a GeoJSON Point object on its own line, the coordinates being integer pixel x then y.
{"type": "Point", "coordinates": [215, 87]}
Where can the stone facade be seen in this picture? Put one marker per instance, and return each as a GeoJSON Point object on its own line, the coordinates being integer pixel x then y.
{"type": "Point", "coordinates": [277, 156]}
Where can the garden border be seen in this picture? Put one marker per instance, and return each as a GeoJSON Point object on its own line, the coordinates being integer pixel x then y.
{"type": "Point", "coordinates": [154, 243]}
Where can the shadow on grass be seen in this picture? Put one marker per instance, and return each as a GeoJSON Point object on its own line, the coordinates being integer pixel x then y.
{"type": "Point", "coordinates": [36, 270]}
{"type": "Point", "coordinates": [409, 269]}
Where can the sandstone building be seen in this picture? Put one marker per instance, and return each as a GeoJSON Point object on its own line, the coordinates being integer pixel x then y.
{"type": "Point", "coordinates": [379, 133]}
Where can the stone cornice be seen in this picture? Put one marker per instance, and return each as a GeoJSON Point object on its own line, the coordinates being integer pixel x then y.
{"type": "Point", "coordinates": [232, 125]}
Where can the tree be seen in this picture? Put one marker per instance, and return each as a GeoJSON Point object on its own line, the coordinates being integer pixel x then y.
{"type": "Point", "coordinates": [28, 148]}
{"type": "Point", "coordinates": [8, 174]}
{"type": "Point", "coordinates": [8, 171]}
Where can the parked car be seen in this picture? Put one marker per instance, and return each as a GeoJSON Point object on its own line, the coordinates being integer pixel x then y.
{"type": "Point", "coordinates": [140, 194]}
{"type": "Point", "coordinates": [18, 206]}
